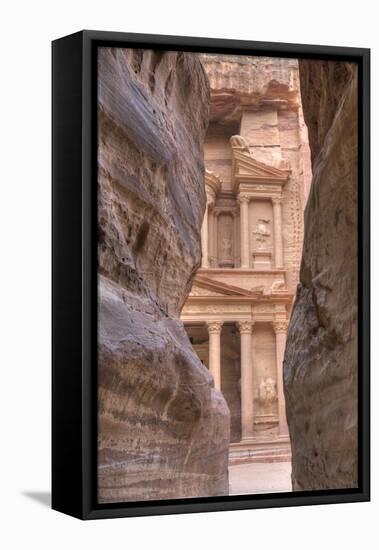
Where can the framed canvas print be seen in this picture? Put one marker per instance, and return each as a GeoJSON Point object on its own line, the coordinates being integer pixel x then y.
{"type": "Point", "coordinates": [210, 275]}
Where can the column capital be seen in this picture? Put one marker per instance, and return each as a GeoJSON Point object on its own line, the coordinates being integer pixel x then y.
{"type": "Point", "coordinates": [243, 198]}
{"type": "Point", "coordinates": [245, 327]}
{"type": "Point", "coordinates": [214, 327]}
{"type": "Point", "coordinates": [280, 326]}
{"type": "Point", "coordinates": [276, 200]}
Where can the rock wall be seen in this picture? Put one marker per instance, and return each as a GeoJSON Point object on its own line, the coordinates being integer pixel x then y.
{"type": "Point", "coordinates": [320, 365]}
{"type": "Point", "coordinates": [257, 83]}
{"type": "Point", "coordinates": [163, 430]}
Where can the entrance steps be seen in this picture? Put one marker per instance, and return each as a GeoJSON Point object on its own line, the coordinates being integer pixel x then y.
{"type": "Point", "coordinates": [259, 449]}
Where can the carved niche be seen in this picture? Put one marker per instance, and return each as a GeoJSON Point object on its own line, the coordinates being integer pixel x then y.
{"type": "Point", "coordinates": [225, 240]}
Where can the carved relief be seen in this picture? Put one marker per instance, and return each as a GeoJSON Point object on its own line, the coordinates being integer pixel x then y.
{"type": "Point", "coordinates": [227, 308]}
{"type": "Point", "coordinates": [262, 232]}
{"type": "Point", "coordinates": [226, 247]}
{"type": "Point", "coordinates": [197, 291]}
{"type": "Point", "coordinates": [277, 286]}
{"type": "Point", "coordinates": [267, 391]}
{"type": "Point", "coordinates": [266, 402]}
{"type": "Point", "coordinates": [225, 240]}
{"type": "Point", "coordinates": [263, 309]}
{"type": "Point", "coordinates": [269, 188]}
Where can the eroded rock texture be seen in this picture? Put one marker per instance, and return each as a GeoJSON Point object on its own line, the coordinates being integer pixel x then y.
{"type": "Point", "coordinates": [320, 366]}
{"type": "Point", "coordinates": [163, 428]}
{"type": "Point", "coordinates": [238, 82]}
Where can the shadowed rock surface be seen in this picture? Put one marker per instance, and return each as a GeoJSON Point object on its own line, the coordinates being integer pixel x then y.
{"type": "Point", "coordinates": [163, 428]}
{"type": "Point", "coordinates": [320, 365]}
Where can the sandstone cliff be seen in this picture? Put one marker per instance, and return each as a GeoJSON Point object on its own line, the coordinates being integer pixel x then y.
{"type": "Point", "coordinates": [238, 82]}
{"type": "Point", "coordinates": [320, 366]}
{"type": "Point", "coordinates": [163, 428]}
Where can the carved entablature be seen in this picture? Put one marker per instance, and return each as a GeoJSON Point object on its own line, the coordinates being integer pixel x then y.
{"type": "Point", "coordinates": [263, 309]}
{"type": "Point", "coordinates": [259, 189]}
{"type": "Point", "coordinates": [212, 299]}
{"type": "Point", "coordinates": [253, 177]}
{"type": "Point", "coordinates": [263, 312]}
{"type": "Point", "coordinates": [230, 209]}
{"type": "Point", "coordinates": [228, 310]}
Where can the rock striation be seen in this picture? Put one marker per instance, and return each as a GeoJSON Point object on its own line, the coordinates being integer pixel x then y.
{"type": "Point", "coordinates": [163, 429]}
{"type": "Point", "coordinates": [320, 365]}
{"type": "Point", "coordinates": [239, 82]}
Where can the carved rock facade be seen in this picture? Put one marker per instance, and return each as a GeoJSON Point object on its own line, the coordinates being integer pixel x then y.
{"type": "Point", "coordinates": [320, 368]}
{"type": "Point", "coordinates": [257, 179]}
{"type": "Point", "coordinates": [163, 429]}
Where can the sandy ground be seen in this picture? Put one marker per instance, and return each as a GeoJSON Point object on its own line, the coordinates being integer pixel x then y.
{"type": "Point", "coordinates": [269, 477]}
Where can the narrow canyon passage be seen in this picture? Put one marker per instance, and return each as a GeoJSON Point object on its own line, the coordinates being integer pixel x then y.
{"type": "Point", "coordinates": [257, 180]}
{"type": "Point", "coordinates": [221, 370]}
{"type": "Point", "coordinates": [321, 360]}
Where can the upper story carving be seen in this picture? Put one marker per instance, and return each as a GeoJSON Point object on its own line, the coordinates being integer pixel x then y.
{"type": "Point", "coordinates": [235, 234]}
{"type": "Point", "coordinates": [255, 178]}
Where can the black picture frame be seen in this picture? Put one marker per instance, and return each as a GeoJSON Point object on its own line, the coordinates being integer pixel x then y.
{"type": "Point", "coordinates": [74, 295]}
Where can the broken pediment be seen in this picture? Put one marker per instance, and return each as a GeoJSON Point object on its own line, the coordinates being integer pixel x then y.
{"type": "Point", "coordinates": [246, 169]}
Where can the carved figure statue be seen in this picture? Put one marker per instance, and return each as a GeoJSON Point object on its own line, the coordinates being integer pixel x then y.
{"type": "Point", "coordinates": [240, 143]}
{"type": "Point", "coordinates": [261, 231]}
{"type": "Point", "coordinates": [277, 285]}
{"type": "Point", "coordinates": [226, 247]}
{"type": "Point", "coordinates": [267, 391]}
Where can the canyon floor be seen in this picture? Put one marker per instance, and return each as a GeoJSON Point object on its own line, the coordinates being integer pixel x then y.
{"type": "Point", "coordinates": [260, 478]}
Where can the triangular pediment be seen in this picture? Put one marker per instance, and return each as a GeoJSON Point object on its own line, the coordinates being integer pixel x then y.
{"type": "Point", "coordinates": [198, 290]}
{"type": "Point", "coordinates": [246, 167]}
{"type": "Point", "coordinates": [204, 286]}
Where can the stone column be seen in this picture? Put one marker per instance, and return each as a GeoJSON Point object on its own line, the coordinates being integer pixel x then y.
{"type": "Point", "coordinates": [235, 238]}
{"type": "Point", "coordinates": [280, 329]}
{"type": "Point", "coordinates": [278, 237]}
{"type": "Point", "coordinates": [244, 221]}
{"type": "Point", "coordinates": [215, 237]}
{"type": "Point", "coordinates": [214, 331]}
{"type": "Point", "coordinates": [247, 397]}
{"type": "Point", "coordinates": [204, 239]}
{"type": "Point", "coordinates": [210, 237]}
